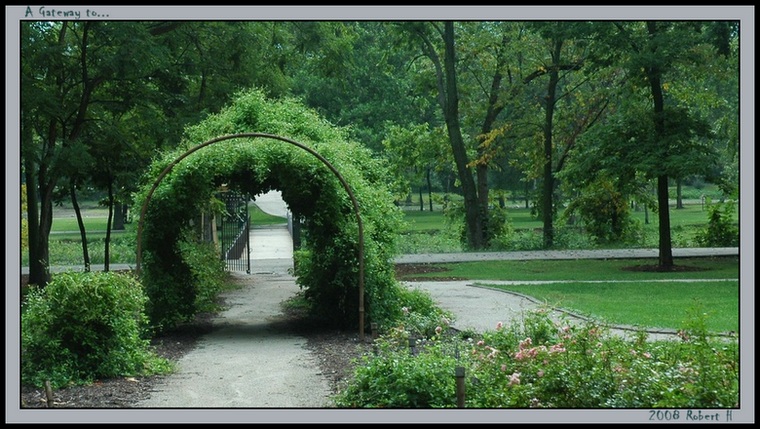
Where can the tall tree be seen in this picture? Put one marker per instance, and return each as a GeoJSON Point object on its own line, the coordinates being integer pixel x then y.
{"type": "Point", "coordinates": [58, 87]}
{"type": "Point", "coordinates": [655, 49]}
{"type": "Point", "coordinates": [120, 90]}
{"type": "Point", "coordinates": [453, 49]}
{"type": "Point", "coordinates": [486, 48]}
{"type": "Point", "coordinates": [651, 132]}
{"type": "Point", "coordinates": [557, 35]}
{"type": "Point", "coordinates": [446, 78]}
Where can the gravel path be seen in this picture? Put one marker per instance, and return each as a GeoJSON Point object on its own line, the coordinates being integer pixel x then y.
{"type": "Point", "coordinates": [251, 361]}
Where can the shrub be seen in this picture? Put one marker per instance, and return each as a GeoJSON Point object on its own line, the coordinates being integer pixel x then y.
{"type": "Point", "coordinates": [604, 210]}
{"type": "Point", "coordinates": [208, 271]}
{"type": "Point", "coordinates": [498, 230]}
{"type": "Point", "coordinates": [543, 363]}
{"type": "Point", "coordinates": [720, 230]}
{"type": "Point", "coordinates": [85, 326]}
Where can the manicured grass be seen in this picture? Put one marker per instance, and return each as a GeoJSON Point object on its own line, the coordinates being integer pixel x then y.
{"type": "Point", "coordinates": [644, 304]}
{"type": "Point", "coordinates": [418, 221]}
{"type": "Point", "coordinates": [70, 224]}
{"type": "Point", "coordinates": [587, 269]}
{"type": "Point", "coordinates": [65, 229]}
{"type": "Point", "coordinates": [259, 218]}
{"type": "Point", "coordinates": [63, 226]}
{"type": "Point", "coordinates": [687, 220]}
{"type": "Point", "coordinates": [612, 293]}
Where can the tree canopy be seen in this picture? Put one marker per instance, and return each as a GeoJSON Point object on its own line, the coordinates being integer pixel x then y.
{"type": "Point", "coordinates": [518, 101]}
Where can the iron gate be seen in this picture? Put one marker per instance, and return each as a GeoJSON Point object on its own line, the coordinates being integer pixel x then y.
{"type": "Point", "coordinates": [235, 232]}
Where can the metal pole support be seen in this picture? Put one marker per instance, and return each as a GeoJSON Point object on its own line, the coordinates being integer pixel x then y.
{"type": "Point", "coordinates": [459, 372]}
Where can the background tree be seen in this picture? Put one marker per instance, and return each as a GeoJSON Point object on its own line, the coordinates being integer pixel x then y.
{"type": "Point", "coordinates": [416, 154]}
{"type": "Point", "coordinates": [59, 85]}
{"type": "Point", "coordinates": [655, 49]}
{"type": "Point", "coordinates": [437, 42]}
{"type": "Point", "coordinates": [100, 98]}
{"type": "Point", "coordinates": [115, 92]}
{"type": "Point", "coordinates": [651, 132]}
{"type": "Point", "coordinates": [359, 76]}
{"type": "Point", "coordinates": [568, 46]}
{"type": "Point", "coordinates": [469, 70]}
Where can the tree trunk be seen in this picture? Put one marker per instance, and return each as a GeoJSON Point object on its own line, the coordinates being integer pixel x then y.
{"type": "Point", "coordinates": [646, 214]}
{"type": "Point", "coordinates": [38, 272]}
{"type": "Point", "coordinates": [665, 245]}
{"type": "Point", "coordinates": [39, 267]}
{"type": "Point", "coordinates": [80, 222]}
{"type": "Point", "coordinates": [473, 216]}
{"type": "Point", "coordinates": [492, 112]}
{"type": "Point", "coordinates": [663, 214]}
{"type": "Point", "coordinates": [119, 215]}
{"type": "Point", "coordinates": [107, 255]}
{"type": "Point", "coordinates": [679, 198]}
{"type": "Point", "coordinates": [430, 190]}
{"type": "Point", "coordinates": [548, 194]}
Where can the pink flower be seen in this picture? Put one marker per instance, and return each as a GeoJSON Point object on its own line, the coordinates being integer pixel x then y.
{"type": "Point", "coordinates": [557, 348]}
{"type": "Point", "coordinates": [438, 330]}
{"type": "Point", "coordinates": [481, 343]}
{"type": "Point", "coordinates": [503, 367]}
{"type": "Point", "coordinates": [514, 378]}
{"type": "Point", "coordinates": [524, 344]}
{"type": "Point", "coordinates": [647, 355]}
{"type": "Point", "coordinates": [499, 326]}
{"type": "Point", "coordinates": [540, 373]}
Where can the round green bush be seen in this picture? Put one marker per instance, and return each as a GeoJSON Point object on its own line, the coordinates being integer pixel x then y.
{"type": "Point", "coordinates": [84, 326]}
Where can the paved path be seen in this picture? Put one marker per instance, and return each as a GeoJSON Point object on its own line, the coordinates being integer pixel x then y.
{"type": "Point", "coordinates": [250, 361]}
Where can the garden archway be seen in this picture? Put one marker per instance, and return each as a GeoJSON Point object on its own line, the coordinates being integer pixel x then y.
{"type": "Point", "coordinates": [314, 153]}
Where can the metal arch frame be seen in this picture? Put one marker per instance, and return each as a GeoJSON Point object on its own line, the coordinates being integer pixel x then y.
{"type": "Point", "coordinates": [337, 174]}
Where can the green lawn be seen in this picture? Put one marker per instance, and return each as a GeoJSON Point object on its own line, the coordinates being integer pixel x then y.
{"type": "Point", "coordinates": [608, 290]}
{"type": "Point", "coordinates": [644, 304]}
{"type": "Point", "coordinates": [258, 217]}
{"type": "Point", "coordinates": [70, 224]}
{"type": "Point", "coordinates": [692, 215]}
{"type": "Point", "coordinates": [587, 269]}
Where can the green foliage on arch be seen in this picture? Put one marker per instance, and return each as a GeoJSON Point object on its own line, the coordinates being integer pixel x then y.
{"type": "Point", "coordinates": [327, 267]}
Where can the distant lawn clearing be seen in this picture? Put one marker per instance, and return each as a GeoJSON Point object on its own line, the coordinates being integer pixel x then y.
{"type": "Point", "coordinates": [584, 269]}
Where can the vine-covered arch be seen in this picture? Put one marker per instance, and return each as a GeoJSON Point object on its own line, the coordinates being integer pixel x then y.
{"type": "Point", "coordinates": [344, 183]}
{"type": "Point", "coordinates": [297, 152]}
